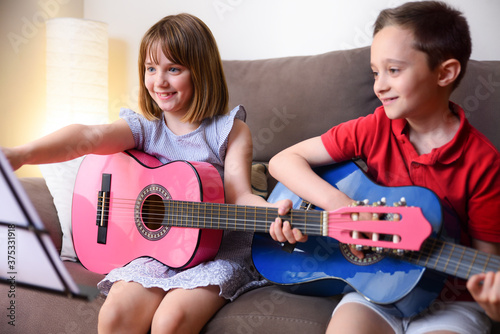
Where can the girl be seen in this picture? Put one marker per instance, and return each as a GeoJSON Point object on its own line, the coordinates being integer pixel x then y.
{"type": "Point", "coordinates": [184, 97]}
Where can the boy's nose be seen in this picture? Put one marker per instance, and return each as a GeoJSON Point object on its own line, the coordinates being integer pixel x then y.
{"type": "Point", "coordinates": [380, 85]}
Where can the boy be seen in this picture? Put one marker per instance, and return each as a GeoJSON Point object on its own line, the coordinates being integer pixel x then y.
{"type": "Point", "coordinates": [417, 137]}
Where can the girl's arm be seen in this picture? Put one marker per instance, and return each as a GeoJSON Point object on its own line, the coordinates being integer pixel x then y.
{"type": "Point", "coordinates": [71, 142]}
{"type": "Point", "coordinates": [237, 170]}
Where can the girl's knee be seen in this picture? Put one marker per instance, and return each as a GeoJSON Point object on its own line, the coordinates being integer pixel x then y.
{"type": "Point", "coordinates": [115, 317]}
{"type": "Point", "coordinates": [171, 322]}
{"type": "Point", "coordinates": [109, 318]}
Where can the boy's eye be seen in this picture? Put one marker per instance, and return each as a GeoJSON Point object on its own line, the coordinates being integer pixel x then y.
{"type": "Point", "coordinates": [375, 75]}
{"type": "Point", "coordinates": [393, 70]}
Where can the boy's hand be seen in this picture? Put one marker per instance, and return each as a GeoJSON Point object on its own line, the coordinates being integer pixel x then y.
{"type": "Point", "coordinates": [282, 231]}
{"type": "Point", "coordinates": [485, 288]}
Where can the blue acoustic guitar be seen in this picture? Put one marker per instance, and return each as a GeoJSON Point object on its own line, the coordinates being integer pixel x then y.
{"type": "Point", "coordinates": [409, 280]}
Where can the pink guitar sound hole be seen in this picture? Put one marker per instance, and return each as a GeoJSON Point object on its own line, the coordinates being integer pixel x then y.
{"type": "Point", "coordinates": [149, 212]}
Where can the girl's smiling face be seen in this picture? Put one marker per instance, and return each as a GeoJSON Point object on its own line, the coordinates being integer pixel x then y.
{"type": "Point", "coordinates": [168, 84]}
{"type": "Point", "coordinates": [404, 82]}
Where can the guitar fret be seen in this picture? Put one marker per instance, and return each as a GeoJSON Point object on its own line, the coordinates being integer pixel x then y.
{"type": "Point", "coordinates": [459, 261]}
{"type": "Point", "coordinates": [471, 264]}
{"type": "Point", "coordinates": [486, 262]}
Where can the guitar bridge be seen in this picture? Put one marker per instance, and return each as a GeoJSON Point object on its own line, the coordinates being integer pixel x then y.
{"type": "Point", "coordinates": [103, 209]}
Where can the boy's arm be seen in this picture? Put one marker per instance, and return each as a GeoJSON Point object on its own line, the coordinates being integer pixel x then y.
{"type": "Point", "coordinates": [71, 142]}
{"type": "Point", "coordinates": [293, 168]}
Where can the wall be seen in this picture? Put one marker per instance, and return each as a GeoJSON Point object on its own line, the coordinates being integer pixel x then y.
{"type": "Point", "coordinates": [264, 29]}
{"type": "Point", "coordinates": [244, 29]}
{"type": "Point", "coordinates": [22, 54]}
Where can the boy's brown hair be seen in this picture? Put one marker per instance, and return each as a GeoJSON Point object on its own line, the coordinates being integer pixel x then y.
{"type": "Point", "coordinates": [185, 40]}
{"type": "Point", "coordinates": [440, 31]}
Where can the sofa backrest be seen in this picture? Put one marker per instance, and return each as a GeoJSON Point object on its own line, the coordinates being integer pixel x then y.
{"type": "Point", "coordinates": [294, 98]}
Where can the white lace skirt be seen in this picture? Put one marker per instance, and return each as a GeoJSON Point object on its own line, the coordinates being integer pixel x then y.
{"type": "Point", "coordinates": [231, 270]}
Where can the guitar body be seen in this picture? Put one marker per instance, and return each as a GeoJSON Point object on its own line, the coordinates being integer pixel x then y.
{"type": "Point", "coordinates": [108, 218]}
{"type": "Point", "coordinates": [323, 266]}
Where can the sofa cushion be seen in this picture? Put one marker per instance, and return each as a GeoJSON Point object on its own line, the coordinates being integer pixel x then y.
{"type": "Point", "coordinates": [272, 310]}
{"type": "Point", "coordinates": [479, 95]}
{"type": "Point", "coordinates": [60, 179]}
{"type": "Point", "coordinates": [294, 98]}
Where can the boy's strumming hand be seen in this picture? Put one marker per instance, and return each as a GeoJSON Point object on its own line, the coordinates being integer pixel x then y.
{"type": "Point", "coordinates": [485, 289]}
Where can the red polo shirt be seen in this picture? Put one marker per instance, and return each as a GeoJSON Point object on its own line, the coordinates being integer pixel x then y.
{"type": "Point", "coordinates": [464, 173]}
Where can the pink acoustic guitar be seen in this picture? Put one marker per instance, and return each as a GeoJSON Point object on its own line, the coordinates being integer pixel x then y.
{"type": "Point", "coordinates": [129, 205]}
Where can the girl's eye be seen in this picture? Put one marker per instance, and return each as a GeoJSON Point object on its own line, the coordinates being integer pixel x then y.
{"type": "Point", "coordinates": [375, 75]}
{"type": "Point", "coordinates": [150, 69]}
{"type": "Point", "coordinates": [394, 70]}
{"type": "Point", "coordinates": [174, 70]}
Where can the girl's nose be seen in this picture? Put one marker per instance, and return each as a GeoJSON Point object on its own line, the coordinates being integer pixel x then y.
{"type": "Point", "coordinates": [161, 80]}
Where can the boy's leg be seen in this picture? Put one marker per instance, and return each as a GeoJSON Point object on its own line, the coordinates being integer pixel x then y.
{"type": "Point", "coordinates": [187, 311]}
{"type": "Point", "coordinates": [355, 314]}
{"type": "Point", "coordinates": [453, 317]}
{"type": "Point", "coordinates": [129, 308]}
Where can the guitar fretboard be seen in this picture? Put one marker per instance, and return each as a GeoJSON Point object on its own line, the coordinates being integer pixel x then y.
{"type": "Point", "coordinates": [236, 217]}
{"type": "Point", "coordinates": [453, 259]}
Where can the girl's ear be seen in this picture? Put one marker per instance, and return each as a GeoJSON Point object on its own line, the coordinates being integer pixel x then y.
{"type": "Point", "coordinates": [448, 72]}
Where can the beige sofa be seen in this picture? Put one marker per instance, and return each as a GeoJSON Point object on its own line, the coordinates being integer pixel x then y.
{"type": "Point", "coordinates": [287, 100]}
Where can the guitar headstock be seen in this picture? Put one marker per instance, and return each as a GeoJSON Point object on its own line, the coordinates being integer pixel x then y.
{"type": "Point", "coordinates": [399, 227]}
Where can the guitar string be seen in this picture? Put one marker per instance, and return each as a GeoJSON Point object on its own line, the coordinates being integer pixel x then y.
{"type": "Point", "coordinates": [469, 262]}
{"type": "Point", "coordinates": [307, 221]}
{"type": "Point", "coordinates": [478, 260]}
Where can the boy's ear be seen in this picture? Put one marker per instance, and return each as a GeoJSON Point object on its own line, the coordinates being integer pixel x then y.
{"type": "Point", "coordinates": [448, 72]}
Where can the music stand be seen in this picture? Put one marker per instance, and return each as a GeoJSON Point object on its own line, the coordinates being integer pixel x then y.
{"type": "Point", "coordinates": [28, 257]}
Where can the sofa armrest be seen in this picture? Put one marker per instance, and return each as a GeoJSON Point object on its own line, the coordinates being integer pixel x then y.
{"type": "Point", "coordinates": [41, 199]}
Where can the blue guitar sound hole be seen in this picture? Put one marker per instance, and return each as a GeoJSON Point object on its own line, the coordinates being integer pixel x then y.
{"type": "Point", "coordinates": [370, 258]}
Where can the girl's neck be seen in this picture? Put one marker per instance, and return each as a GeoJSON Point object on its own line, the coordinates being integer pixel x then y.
{"type": "Point", "coordinates": [179, 127]}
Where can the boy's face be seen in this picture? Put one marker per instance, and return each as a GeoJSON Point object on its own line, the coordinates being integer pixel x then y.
{"type": "Point", "coordinates": [403, 80]}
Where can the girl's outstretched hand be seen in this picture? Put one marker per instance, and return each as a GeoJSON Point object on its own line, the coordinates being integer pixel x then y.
{"type": "Point", "coordinates": [485, 288]}
{"type": "Point", "coordinates": [13, 157]}
{"type": "Point", "coordinates": [283, 231]}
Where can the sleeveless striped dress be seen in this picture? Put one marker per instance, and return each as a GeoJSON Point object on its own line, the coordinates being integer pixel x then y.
{"type": "Point", "coordinates": [232, 269]}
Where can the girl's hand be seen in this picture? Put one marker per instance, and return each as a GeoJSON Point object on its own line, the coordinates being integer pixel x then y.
{"type": "Point", "coordinates": [282, 231]}
{"type": "Point", "coordinates": [13, 157]}
{"type": "Point", "coordinates": [485, 288]}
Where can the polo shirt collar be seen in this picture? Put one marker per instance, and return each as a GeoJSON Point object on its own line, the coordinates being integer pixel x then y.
{"type": "Point", "coordinates": [445, 154]}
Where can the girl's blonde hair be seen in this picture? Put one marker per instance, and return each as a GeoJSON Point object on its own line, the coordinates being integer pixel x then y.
{"type": "Point", "coordinates": [185, 40]}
